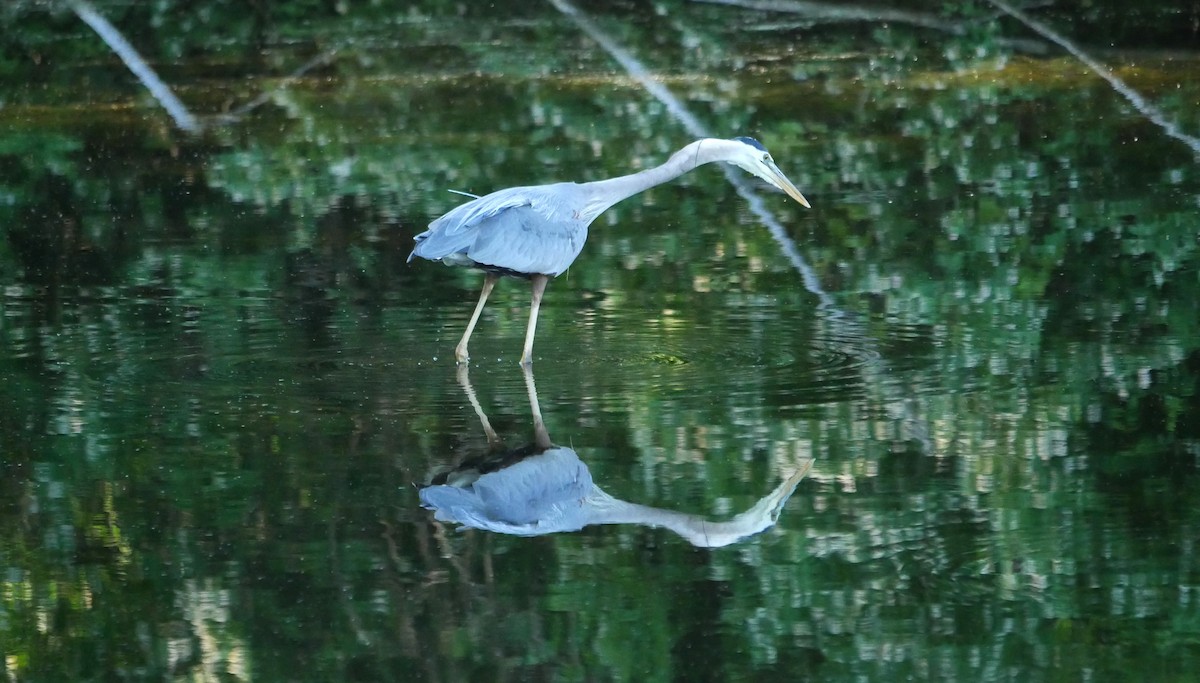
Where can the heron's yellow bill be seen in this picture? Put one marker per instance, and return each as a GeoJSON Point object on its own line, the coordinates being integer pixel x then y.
{"type": "Point", "coordinates": [786, 185]}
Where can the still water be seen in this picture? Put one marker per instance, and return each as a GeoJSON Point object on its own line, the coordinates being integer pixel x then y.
{"type": "Point", "coordinates": [962, 392]}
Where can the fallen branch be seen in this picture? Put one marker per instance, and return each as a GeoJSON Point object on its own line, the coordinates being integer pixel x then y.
{"type": "Point", "coordinates": [113, 38]}
{"type": "Point", "coordinates": [1151, 112]}
{"type": "Point", "coordinates": [263, 98]}
{"type": "Point", "coordinates": [833, 13]}
{"type": "Point", "coordinates": [842, 12]}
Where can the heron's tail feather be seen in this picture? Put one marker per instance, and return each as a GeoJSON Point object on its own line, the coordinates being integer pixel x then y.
{"type": "Point", "coordinates": [446, 500]}
{"type": "Point", "coordinates": [438, 246]}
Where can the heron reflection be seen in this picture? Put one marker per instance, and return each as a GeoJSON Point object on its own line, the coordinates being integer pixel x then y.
{"type": "Point", "coordinates": [543, 488]}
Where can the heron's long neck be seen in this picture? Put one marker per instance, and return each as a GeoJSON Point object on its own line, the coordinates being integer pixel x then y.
{"type": "Point", "coordinates": [605, 193]}
{"type": "Point", "coordinates": [696, 529]}
{"type": "Point", "coordinates": [617, 511]}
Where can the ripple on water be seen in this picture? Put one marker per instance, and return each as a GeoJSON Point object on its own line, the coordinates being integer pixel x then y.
{"type": "Point", "coordinates": [796, 362]}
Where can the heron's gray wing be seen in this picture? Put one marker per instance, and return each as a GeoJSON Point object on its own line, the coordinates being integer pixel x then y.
{"type": "Point", "coordinates": [524, 239]}
{"type": "Point", "coordinates": [538, 495]}
{"type": "Point", "coordinates": [454, 232]}
{"type": "Point", "coordinates": [448, 502]}
{"type": "Point", "coordinates": [523, 229]}
{"type": "Point", "coordinates": [462, 506]}
{"type": "Point", "coordinates": [464, 217]}
{"type": "Point", "coordinates": [537, 488]}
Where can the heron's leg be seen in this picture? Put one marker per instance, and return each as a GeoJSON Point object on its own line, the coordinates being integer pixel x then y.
{"type": "Point", "coordinates": [460, 351]}
{"type": "Point", "coordinates": [539, 287]}
{"type": "Point", "coordinates": [464, 381]}
{"type": "Point", "coordinates": [540, 436]}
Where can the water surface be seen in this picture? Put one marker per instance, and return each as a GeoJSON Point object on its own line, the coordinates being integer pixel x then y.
{"type": "Point", "coordinates": [223, 384]}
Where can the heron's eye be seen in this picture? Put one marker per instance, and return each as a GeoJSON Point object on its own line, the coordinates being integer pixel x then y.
{"type": "Point", "coordinates": [766, 157]}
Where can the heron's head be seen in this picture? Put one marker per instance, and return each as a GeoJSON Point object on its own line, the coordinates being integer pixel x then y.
{"type": "Point", "coordinates": [749, 155]}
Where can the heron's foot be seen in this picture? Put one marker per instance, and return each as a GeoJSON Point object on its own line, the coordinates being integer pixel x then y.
{"type": "Point", "coordinates": [526, 361]}
{"type": "Point", "coordinates": [460, 356]}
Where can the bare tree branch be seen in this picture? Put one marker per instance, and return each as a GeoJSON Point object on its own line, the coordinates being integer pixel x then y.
{"type": "Point", "coordinates": [113, 38]}
{"type": "Point", "coordinates": [1146, 108]}
{"type": "Point", "coordinates": [842, 12]}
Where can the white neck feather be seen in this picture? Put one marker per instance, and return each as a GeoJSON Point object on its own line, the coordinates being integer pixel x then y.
{"type": "Point", "coordinates": [604, 193]}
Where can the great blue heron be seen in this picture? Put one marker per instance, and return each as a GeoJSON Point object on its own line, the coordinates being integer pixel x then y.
{"type": "Point", "coordinates": [536, 232]}
{"type": "Point", "coordinates": [543, 488]}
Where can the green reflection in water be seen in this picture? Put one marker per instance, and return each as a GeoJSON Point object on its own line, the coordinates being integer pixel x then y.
{"type": "Point", "coordinates": [220, 380]}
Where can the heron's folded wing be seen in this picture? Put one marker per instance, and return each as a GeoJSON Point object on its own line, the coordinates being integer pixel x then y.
{"type": "Point", "coordinates": [456, 231]}
{"type": "Point", "coordinates": [535, 489]}
{"type": "Point", "coordinates": [464, 217]}
{"type": "Point", "coordinates": [447, 500]}
{"type": "Point", "coordinates": [523, 240]}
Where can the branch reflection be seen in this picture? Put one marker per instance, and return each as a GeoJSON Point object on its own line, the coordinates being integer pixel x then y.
{"type": "Point", "coordinates": [543, 488]}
